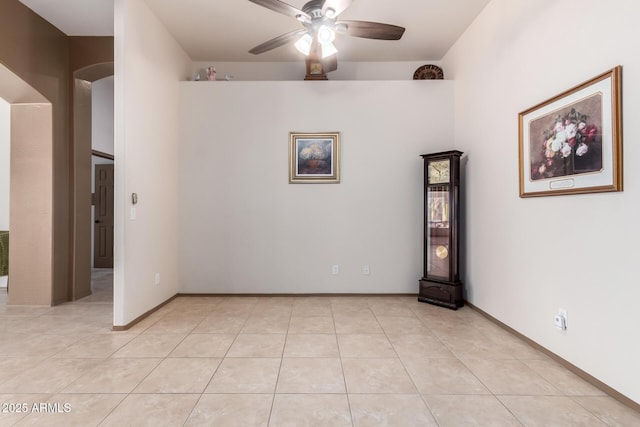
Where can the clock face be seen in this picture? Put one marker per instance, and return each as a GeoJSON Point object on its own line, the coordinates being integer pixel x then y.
{"type": "Point", "coordinates": [439, 172]}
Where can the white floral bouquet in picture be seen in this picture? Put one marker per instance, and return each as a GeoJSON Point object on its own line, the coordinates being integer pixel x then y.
{"type": "Point", "coordinates": [571, 145]}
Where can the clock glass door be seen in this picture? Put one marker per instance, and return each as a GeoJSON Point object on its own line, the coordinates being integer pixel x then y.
{"type": "Point", "coordinates": [437, 232]}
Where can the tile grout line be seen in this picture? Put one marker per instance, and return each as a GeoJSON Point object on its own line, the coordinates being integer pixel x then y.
{"type": "Point", "coordinates": [344, 377]}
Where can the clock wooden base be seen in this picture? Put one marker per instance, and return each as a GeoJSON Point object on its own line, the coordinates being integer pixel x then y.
{"type": "Point", "coordinates": [441, 292]}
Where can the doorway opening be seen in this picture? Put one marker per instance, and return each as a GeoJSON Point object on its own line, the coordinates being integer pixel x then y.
{"type": "Point", "coordinates": [93, 199]}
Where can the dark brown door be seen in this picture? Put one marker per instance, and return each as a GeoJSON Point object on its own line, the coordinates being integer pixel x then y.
{"type": "Point", "coordinates": [103, 227]}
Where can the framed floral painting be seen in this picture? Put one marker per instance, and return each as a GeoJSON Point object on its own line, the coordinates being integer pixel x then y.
{"type": "Point", "coordinates": [314, 157]}
{"type": "Point", "coordinates": [572, 143]}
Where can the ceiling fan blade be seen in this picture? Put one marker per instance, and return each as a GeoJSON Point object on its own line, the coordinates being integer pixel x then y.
{"type": "Point", "coordinates": [372, 30]}
{"type": "Point", "coordinates": [337, 5]}
{"type": "Point", "coordinates": [281, 7]}
{"type": "Point", "coordinates": [278, 41]}
{"type": "Point", "coordinates": [330, 64]}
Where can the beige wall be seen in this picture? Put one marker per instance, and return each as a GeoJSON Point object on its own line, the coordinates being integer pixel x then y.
{"type": "Point", "coordinates": [23, 37]}
{"type": "Point", "coordinates": [30, 258]}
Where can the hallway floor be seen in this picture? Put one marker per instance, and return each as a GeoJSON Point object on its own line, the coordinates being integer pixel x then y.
{"type": "Point", "coordinates": [282, 361]}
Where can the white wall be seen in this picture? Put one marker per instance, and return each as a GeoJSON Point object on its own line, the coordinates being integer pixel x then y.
{"type": "Point", "coordinates": [525, 258]}
{"type": "Point", "coordinates": [244, 228]}
{"type": "Point", "coordinates": [5, 151]}
{"type": "Point", "coordinates": [260, 71]}
{"type": "Point", "coordinates": [102, 115]}
{"type": "Point", "coordinates": [149, 64]}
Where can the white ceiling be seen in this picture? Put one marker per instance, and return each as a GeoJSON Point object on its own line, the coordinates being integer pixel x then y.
{"type": "Point", "coordinates": [224, 30]}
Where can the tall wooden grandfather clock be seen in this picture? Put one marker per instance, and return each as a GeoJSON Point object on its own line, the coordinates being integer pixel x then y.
{"type": "Point", "coordinates": [441, 283]}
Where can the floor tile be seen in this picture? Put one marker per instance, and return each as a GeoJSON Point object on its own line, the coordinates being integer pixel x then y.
{"type": "Point", "coordinates": [266, 325]}
{"type": "Point", "coordinates": [567, 382]}
{"type": "Point", "coordinates": [391, 309]}
{"type": "Point", "coordinates": [311, 325]}
{"type": "Point", "coordinates": [173, 325]}
{"type": "Point", "coordinates": [16, 407]}
{"type": "Point", "coordinates": [295, 410]}
{"type": "Point", "coordinates": [390, 410]}
{"type": "Point", "coordinates": [96, 346]}
{"type": "Point", "coordinates": [179, 375]}
{"type": "Point", "coordinates": [401, 325]}
{"type": "Point", "coordinates": [341, 306]}
{"type": "Point", "coordinates": [39, 345]}
{"type": "Point", "coordinates": [306, 309]}
{"type": "Point", "coordinates": [272, 310]}
{"type": "Point", "coordinates": [470, 411]}
{"type": "Point", "coordinates": [49, 376]}
{"type": "Point", "coordinates": [556, 411]}
{"type": "Point", "coordinates": [443, 376]}
{"type": "Point", "coordinates": [419, 345]}
{"type": "Point", "coordinates": [357, 324]}
{"type": "Point", "coordinates": [231, 410]}
{"type": "Point", "coordinates": [150, 345]}
{"type": "Point", "coordinates": [311, 345]}
{"type": "Point", "coordinates": [377, 376]}
{"type": "Point", "coordinates": [220, 324]}
{"type": "Point", "coordinates": [79, 410]}
{"type": "Point", "coordinates": [509, 377]}
{"type": "Point", "coordinates": [311, 375]}
{"type": "Point", "coordinates": [476, 346]}
{"type": "Point", "coordinates": [152, 410]}
{"type": "Point", "coordinates": [204, 345]}
{"type": "Point", "coordinates": [257, 345]}
{"type": "Point", "coordinates": [12, 366]}
{"type": "Point", "coordinates": [113, 376]}
{"type": "Point", "coordinates": [365, 345]}
{"type": "Point", "coordinates": [609, 410]}
{"type": "Point", "coordinates": [241, 307]}
{"type": "Point", "coordinates": [245, 375]}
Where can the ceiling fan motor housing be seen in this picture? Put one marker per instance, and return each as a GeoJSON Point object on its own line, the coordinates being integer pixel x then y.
{"type": "Point", "coordinates": [313, 8]}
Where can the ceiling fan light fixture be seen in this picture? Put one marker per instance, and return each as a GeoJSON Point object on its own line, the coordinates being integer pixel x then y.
{"type": "Point", "coordinates": [330, 12]}
{"type": "Point", "coordinates": [340, 27]}
{"type": "Point", "coordinates": [303, 19]}
{"type": "Point", "coordinates": [328, 49]}
{"type": "Point", "coordinates": [304, 44]}
{"type": "Point", "coordinates": [326, 34]}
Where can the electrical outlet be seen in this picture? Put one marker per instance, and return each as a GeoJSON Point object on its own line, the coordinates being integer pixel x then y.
{"type": "Point", "coordinates": [562, 312]}
{"type": "Point", "coordinates": [335, 269]}
{"type": "Point", "coordinates": [157, 278]}
{"type": "Point", "coordinates": [365, 269]}
{"type": "Point", "coordinates": [561, 319]}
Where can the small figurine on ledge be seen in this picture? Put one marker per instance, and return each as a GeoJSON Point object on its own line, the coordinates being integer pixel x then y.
{"type": "Point", "coordinates": [211, 73]}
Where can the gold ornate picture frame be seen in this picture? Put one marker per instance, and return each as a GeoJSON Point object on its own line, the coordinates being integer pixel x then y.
{"type": "Point", "coordinates": [572, 143]}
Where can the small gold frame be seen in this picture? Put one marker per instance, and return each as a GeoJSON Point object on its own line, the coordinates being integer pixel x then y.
{"type": "Point", "coordinates": [314, 158]}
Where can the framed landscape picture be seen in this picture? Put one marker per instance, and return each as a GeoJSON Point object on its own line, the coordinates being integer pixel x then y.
{"type": "Point", "coordinates": [314, 157]}
{"type": "Point", "coordinates": [572, 143]}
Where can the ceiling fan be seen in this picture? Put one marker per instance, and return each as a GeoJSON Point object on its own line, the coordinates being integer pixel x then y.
{"type": "Point", "coordinates": [320, 25]}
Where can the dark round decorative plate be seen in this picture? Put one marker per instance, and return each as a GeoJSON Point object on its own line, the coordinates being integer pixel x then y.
{"type": "Point", "coordinates": [428, 72]}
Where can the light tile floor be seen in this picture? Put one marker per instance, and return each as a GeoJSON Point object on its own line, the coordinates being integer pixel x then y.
{"type": "Point", "coordinates": [282, 361]}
